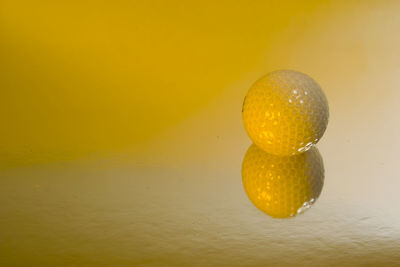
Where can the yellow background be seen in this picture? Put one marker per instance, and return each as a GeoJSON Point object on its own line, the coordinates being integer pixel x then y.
{"type": "Point", "coordinates": [151, 93]}
{"type": "Point", "coordinates": [94, 76]}
{"type": "Point", "coordinates": [91, 77]}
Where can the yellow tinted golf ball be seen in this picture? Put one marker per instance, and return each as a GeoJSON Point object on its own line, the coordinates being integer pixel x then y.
{"type": "Point", "coordinates": [280, 186]}
{"type": "Point", "coordinates": [285, 112]}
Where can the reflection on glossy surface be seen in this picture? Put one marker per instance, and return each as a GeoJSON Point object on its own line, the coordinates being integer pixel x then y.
{"type": "Point", "coordinates": [282, 187]}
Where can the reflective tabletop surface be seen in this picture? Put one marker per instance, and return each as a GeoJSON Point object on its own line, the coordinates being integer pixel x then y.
{"type": "Point", "coordinates": [123, 142]}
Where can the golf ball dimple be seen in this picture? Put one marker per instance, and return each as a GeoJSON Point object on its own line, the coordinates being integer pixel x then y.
{"type": "Point", "coordinates": [285, 112]}
{"type": "Point", "coordinates": [282, 187]}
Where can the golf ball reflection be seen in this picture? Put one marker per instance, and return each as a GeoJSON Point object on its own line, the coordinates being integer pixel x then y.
{"type": "Point", "coordinates": [282, 187]}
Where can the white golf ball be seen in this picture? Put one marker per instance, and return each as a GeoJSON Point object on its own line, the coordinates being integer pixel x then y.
{"type": "Point", "coordinates": [285, 112]}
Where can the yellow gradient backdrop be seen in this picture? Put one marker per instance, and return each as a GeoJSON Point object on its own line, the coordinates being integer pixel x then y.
{"type": "Point", "coordinates": [84, 77]}
{"type": "Point", "coordinates": [161, 84]}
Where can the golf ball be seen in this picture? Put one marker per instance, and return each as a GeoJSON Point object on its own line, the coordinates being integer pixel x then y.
{"type": "Point", "coordinates": [285, 112]}
{"type": "Point", "coordinates": [282, 187]}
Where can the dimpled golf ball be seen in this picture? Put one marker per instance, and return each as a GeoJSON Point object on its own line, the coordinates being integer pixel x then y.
{"type": "Point", "coordinates": [282, 187]}
{"type": "Point", "coordinates": [285, 112]}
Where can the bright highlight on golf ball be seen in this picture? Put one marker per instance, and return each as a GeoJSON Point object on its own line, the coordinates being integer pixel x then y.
{"type": "Point", "coordinates": [285, 112]}
{"type": "Point", "coordinates": [280, 186]}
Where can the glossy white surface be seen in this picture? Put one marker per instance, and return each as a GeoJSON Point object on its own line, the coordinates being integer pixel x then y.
{"type": "Point", "coordinates": [187, 206]}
